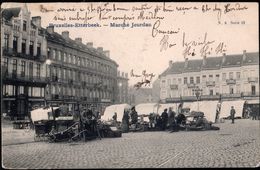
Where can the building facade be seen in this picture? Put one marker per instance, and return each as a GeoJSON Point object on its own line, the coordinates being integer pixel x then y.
{"type": "Point", "coordinates": [122, 83]}
{"type": "Point", "coordinates": [227, 77]}
{"type": "Point", "coordinates": [78, 74]}
{"type": "Point", "coordinates": [23, 54]}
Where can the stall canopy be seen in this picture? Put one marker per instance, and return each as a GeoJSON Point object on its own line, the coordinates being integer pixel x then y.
{"type": "Point", "coordinates": [146, 108]}
{"type": "Point", "coordinates": [187, 105]}
{"type": "Point", "coordinates": [208, 107]}
{"type": "Point", "coordinates": [174, 107]}
{"type": "Point", "coordinates": [226, 107]}
{"type": "Point", "coordinates": [41, 113]}
{"type": "Point", "coordinates": [118, 108]}
{"type": "Point", "coordinates": [252, 101]}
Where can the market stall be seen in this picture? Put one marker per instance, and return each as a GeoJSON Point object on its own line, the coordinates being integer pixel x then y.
{"type": "Point", "coordinates": [226, 107]}
{"type": "Point", "coordinates": [118, 108]}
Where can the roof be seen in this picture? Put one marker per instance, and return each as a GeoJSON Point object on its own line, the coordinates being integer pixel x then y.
{"type": "Point", "coordinates": [57, 38]}
{"type": "Point", "coordinates": [193, 66]}
{"type": "Point", "coordinates": [8, 13]}
{"type": "Point", "coordinates": [233, 60]}
{"type": "Point", "coordinates": [251, 58]}
{"type": "Point", "coordinates": [213, 63]}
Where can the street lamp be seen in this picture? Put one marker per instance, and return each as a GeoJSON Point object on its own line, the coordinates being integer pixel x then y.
{"type": "Point", "coordinates": [198, 93]}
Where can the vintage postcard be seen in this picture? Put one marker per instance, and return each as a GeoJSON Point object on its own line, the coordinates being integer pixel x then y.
{"type": "Point", "coordinates": [130, 85]}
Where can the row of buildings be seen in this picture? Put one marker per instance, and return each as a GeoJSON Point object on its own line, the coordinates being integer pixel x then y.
{"type": "Point", "coordinates": [41, 67]}
{"type": "Point", "coordinates": [227, 77]}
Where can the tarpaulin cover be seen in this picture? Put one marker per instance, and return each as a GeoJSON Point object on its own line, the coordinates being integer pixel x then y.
{"type": "Point", "coordinates": [226, 107]}
{"type": "Point", "coordinates": [208, 107]}
{"type": "Point", "coordinates": [118, 108]}
{"type": "Point", "coordinates": [41, 113]}
{"type": "Point", "coordinates": [174, 107]}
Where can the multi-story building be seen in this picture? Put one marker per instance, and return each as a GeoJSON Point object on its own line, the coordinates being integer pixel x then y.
{"type": "Point", "coordinates": [122, 82]}
{"type": "Point", "coordinates": [23, 52]}
{"type": "Point", "coordinates": [227, 77]}
{"type": "Point", "coordinates": [78, 74]}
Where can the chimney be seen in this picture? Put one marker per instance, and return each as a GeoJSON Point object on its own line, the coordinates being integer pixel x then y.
{"type": "Point", "coordinates": [107, 53]}
{"type": "Point", "coordinates": [186, 62]}
{"type": "Point", "coordinates": [37, 21]}
{"type": "Point", "coordinates": [204, 61]}
{"type": "Point", "coordinates": [100, 49]}
{"type": "Point", "coordinates": [79, 40]}
{"type": "Point", "coordinates": [170, 63]}
{"type": "Point", "coordinates": [244, 55]}
{"type": "Point", "coordinates": [224, 57]}
{"type": "Point", "coordinates": [50, 29]}
{"type": "Point", "coordinates": [65, 34]}
{"type": "Point", "coordinates": [90, 44]}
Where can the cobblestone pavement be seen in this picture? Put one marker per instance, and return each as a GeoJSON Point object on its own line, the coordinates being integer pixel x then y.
{"type": "Point", "coordinates": [234, 145]}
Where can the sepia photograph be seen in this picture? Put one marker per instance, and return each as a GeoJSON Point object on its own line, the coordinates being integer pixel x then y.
{"type": "Point", "coordinates": [127, 85]}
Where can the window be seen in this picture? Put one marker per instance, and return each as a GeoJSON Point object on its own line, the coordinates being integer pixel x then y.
{"type": "Point", "coordinates": [24, 46]}
{"type": "Point", "coordinates": [15, 44]}
{"type": "Point", "coordinates": [230, 75]}
{"type": "Point", "coordinates": [197, 80]}
{"type": "Point", "coordinates": [217, 77]}
{"type": "Point", "coordinates": [22, 68]}
{"type": "Point", "coordinates": [163, 83]}
{"type": "Point", "coordinates": [210, 77]}
{"type": "Point", "coordinates": [191, 80]}
{"type": "Point", "coordinates": [238, 75]}
{"type": "Point", "coordinates": [6, 62]}
{"type": "Point", "coordinates": [204, 77]}
{"type": "Point", "coordinates": [48, 53]}
{"type": "Point", "coordinates": [24, 25]}
{"type": "Point", "coordinates": [30, 69]}
{"type": "Point", "coordinates": [238, 88]}
{"type": "Point", "coordinates": [179, 80]}
{"type": "Point", "coordinates": [38, 70]}
{"type": "Point", "coordinates": [74, 59]}
{"type": "Point", "coordinates": [64, 57]}
{"type": "Point", "coordinates": [211, 92]}
{"type": "Point", "coordinates": [6, 41]}
{"type": "Point", "coordinates": [223, 76]}
{"type": "Point", "coordinates": [69, 60]}
{"type": "Point", "coordinates": [231, 90]}
{"type": "Point", "coordinates": [174, 81]}
{"type": "Point", "coordinates": [185, 80]}
{"type": "Point", "coordinates": [38, 49]}
{"type": "Point", "coordinates": [14, 66]}
{"type": "Point", "coordinates": [31, 48]}
{"type": "Point", "coordinates": [59, 55]}
{"type": "Point", "coordinates": [168, 82]}
{"type": "Point", "coordinates": [54, 55]}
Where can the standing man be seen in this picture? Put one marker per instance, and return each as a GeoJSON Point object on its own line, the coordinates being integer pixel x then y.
{"type": "Point", "coordinates": [164, 116]}
{"type": "Point", "coordinates": [232, 113]}
{"type": "Point", "coordinates": [134, 117]}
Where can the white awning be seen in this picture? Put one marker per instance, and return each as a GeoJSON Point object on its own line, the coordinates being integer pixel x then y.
{"type": "Point", "coordinates": [226, 107]}
{"type": "Point", "coordinates": [118, 108]}
{"type": "Point", "coordinates": [256, 101]}
{"type": "Point", "coordinates": [208, 107]}
{"type": "Point", "coordinates": [41, 114]}
{"type": "Point", "coordinates": [174, 107]}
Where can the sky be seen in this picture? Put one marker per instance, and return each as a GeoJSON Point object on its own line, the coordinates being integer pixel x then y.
{"type": "Point", "coordinates": [175, 28]}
